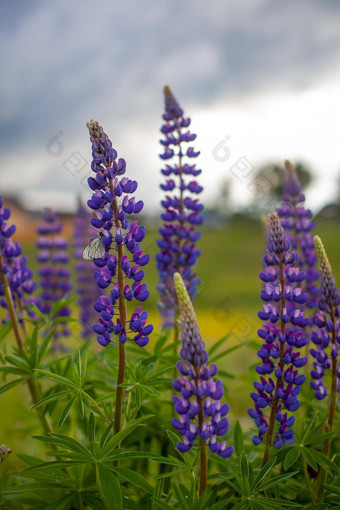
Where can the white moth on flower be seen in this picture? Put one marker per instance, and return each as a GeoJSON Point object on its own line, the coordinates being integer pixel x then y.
{"type": "Point", "coordinates": [95, 249]}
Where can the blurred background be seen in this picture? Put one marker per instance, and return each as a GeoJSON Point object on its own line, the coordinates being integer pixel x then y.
{"type": "Point", "coordinates": [260, 81]}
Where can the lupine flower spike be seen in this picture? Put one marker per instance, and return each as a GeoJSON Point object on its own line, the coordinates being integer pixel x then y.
{"type": "Point", "coordinates": [279, 385]}
{"type": "Point", "coordinates": [86, 285]}
{"type": "Point", "coordinates": [54, 273]}
{"type": "Point", "coordinates": [182, 210]}
{"type": "Point", "coordinates": [327, 343]}
{"type": "Point", "coordinates": [14, 266]}
{"type": "Point", "coordinates": [202, 416]}
{"type": "Point", "coordinates": [298, 225]}
{"type": "Point", "coordinates": [120, 269]}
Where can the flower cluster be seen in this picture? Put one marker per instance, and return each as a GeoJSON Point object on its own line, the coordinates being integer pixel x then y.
{"type": "Point", "coordinates": [182, 210]}
{"type": "Point", "coordinates": [54, 273]}
{"type": "Point", "coordinates": [113, 203]}
{"type": "Point", "coordinates": [327, 335]}
{"type": "Point", "coordinates": [13, 264]}
{"type": "Point", "coordinates": [201, 413]}
{"type": "Point", "coordinates": [87, 289]}
{"type": "Point", "coordinates": [279, 385]}
{"type": "Point", "coordinates": [298, 224]}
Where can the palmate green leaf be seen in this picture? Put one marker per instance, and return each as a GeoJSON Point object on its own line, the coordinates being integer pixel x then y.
{"type": "Point", "coordinates": [11, 384]}
{"type": "Point", "coordinates": [134, 478]}
{"type": "Point", "coordinates": [37, 312]}
{"type": "Point", "coordinates": [57, 378]}
{"type": "Point", "coordinates": [109, 488]}
{"type": "Point", "coordinates": [66, 442]}
{"type": "Point", "coordinates": [118, 438]}
{"type": "Point", "coordinates": [238, 439]}
{"type": "Point", "coordinates": [51, 398]}
{"type": "Point", "coordinates": [65, 411]}
{"type": "Point", "coordinates": [275, 481]}
{"type": "Point", "coordinates": [319, 506]}
{"type": "Point", "coordinates": [291, 457]}
{"type": "Point", "coordinates": [262, 473]}
{"type": "Point", "coordinates": [5, 329]}
{"type": "Point", "coordinates": [172, 461]}
{"type": "Point", "coordinates": [220, 505]}
{"type": "Point", "coordinates": [33, 347]}
{"type": "Point", "coordinates": [33, 486]}
{"type": "Point", "coordinates": [164, 505]}
{"type": "Point", "coordinates": [121, 454]}
{"type": "Point", "coordinates": [324, 461]}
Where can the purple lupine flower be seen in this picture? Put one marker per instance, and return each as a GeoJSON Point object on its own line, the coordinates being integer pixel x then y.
{"type": "Point", "coordinates": [298, 225]}
{"type": "Point", "coordinates": [54, 273]}
{"type": "Point", "coordinates": [201, 413]}
{"type": "Point", "coordinates": [182, 209]}
{"type": "Point", "coordinates": [280, 382]}
{"type": "Point", "coordinates": [87, 289]}
{"type": "Point", "coordinates": [13, 264]}
{"type": "Point", "coordinates": [327, 335]}
{"type": "Point", "coordinates": [124, 259]}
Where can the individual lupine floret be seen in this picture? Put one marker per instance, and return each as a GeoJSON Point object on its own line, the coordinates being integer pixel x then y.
{"type": "Point", "coordinates": [182, 209]}
{"type": "Point", "coordinates": [121, 237]}
{"type": "Point", "coordinates": [87, 290]}
{"type": "Point", "coordinates": [14, 265]}
{"type": "Point", "coordinates": [298, 225]}
{"type": "Point", "coordinates": [201, 413]}
{"type": "Point", "coordinates": [279, 385]}
{"type": "Point", "coordinates": [327, 336]}
{"type": "Point", "coordinates": [54, 273]}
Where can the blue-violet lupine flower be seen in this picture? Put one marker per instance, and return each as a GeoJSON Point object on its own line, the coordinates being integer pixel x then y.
{"type": "Point", "coordinates": [124, 258]}
{"type": "Point", "coordinates": [201, 413]}
{"type": "Point", "coordinates": [87, 289]}
{"type": "Point", "coordinates": [327, 335]}
{"type": "Point", "coordinates": [14, 265]}
{"type": "Point", "coordinates": [298, 225]}
{"type": "Point", "coordinates": [54, 273]}
{"type": "Point", "coordinates": [279, 385]}
{"type": "Point", "coordinates": [182, 210]}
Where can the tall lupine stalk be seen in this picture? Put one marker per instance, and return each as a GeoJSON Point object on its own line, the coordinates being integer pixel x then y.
{"type": "Point", "coordinates": [298, 225]}
{"type": "Point", "coordinates": [283, 336]}
{"type": "Point", "coordinates": [327, 319]}
{"type": "Point", "coordinates": [202, 416]}
{"type": "Point", "coordinates": [87, 290]}
{"type": "Point", "coordinates": [15, 280]}
{"type": "Point", "coordinates": [119, 271]}
{"type": "Point", "coordinates": [182, 209]}
{"type": "Point", "coordinates": [54, 273]}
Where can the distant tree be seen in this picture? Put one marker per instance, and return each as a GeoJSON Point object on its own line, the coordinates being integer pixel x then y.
{"type": "Point", "coordinates": [274, 173]}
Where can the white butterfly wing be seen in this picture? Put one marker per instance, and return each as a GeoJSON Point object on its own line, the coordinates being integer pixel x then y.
{"type": "Point", "coordinates": [94, 250]}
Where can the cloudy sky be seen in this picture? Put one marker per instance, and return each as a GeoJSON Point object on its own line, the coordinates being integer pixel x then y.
{"type": "Point", "coordinates": [260, 80]}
